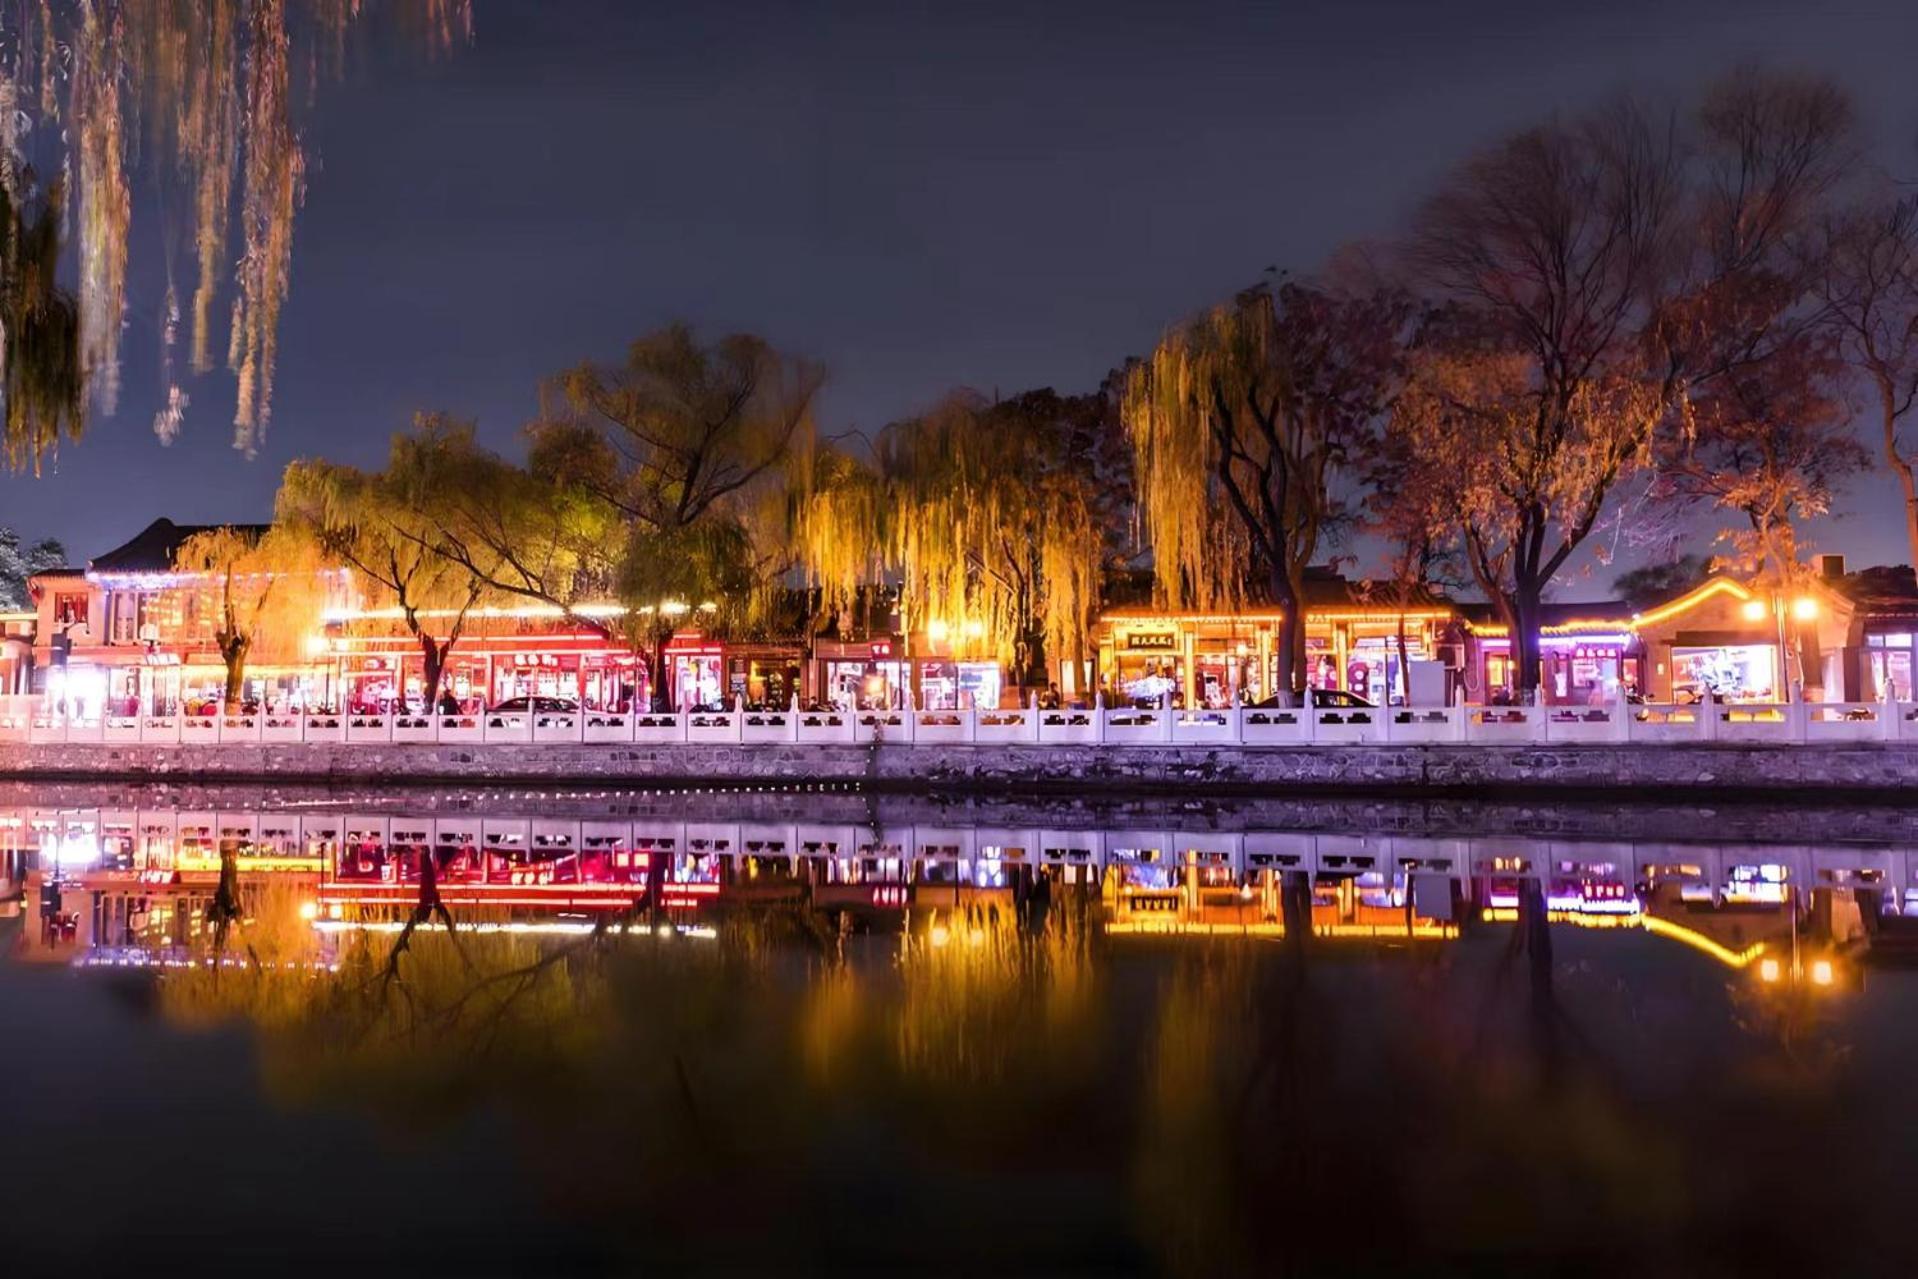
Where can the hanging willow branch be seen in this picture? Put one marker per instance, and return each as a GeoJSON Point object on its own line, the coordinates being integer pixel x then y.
{"type": "Point", "coordinates": [202, 94]}
{"type": "Point", "coordinates": [997, 519]}
{"type": "Point", "coordinates": [39, 332]}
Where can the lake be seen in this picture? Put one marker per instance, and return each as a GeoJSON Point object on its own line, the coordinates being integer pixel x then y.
{"type": "Point", "coordinates": [814, 1030]}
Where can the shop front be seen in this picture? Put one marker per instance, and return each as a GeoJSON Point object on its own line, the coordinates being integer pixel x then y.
{"type": "Point", "coordinates": [862, 673]}
{"type": "Point", "coordinates": [696, 671]}
{"type": "Point", "coordinates": [1731, 667]}
{"type": "Point", "coordinates": [1217, 661]}
{"type": "Point", "coordinates": [1147, 662]}
{"type": "Point", "coordinates": [765, 675]}
{"type": "Point", "coordinates": [946, 684]}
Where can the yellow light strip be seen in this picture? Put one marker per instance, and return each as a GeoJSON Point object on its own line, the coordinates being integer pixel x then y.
{"type": "Point", "coordinates": [1311, 615]}
{"type": "Point", "coordinates": [1691, 600]}
{"type": "Point", "coordinates": [1424, 931]}
{"type": "Point", "coordinates": [1650, 923]}
{"type": "Point", "coordinates": [1705, 945]}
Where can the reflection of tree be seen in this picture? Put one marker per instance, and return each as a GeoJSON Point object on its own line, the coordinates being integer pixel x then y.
{"type": "Point", "coordinates": [1033, 1101]}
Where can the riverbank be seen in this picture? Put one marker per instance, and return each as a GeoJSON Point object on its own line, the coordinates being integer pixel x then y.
{"type": "Point", "coordinates": [1887, 771]}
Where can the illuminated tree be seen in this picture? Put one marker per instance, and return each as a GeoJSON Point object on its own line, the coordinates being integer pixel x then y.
{"type": "Point", "coordinates": [267, 592]}
{"type": "Point", "coordinates": [1243, 424]}
{"type": "Point", "coordinates": [662, 480]}
{"type": "Point", "coordinates": [201, 98]}
{"type": "Point", "coordinates": [387, 527]}
{"type": "Point", "coordinates": [1871, 288]}
{"type": "Point", "coordinates": [1406, 509]}
{"type": "Point", "coordinates": [1594, 277]}
{"type": "Point", "coordinates": [998, 519]}
{"type": "Point", "coordinates": [1771, 444]}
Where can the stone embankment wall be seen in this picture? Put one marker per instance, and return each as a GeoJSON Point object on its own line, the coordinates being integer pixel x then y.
{"type": "Point", "coordinates": [1640, 769]}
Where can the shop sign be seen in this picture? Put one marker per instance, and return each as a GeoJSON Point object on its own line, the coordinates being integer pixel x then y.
{"type": "Point", "coordinates": [1159, 640]}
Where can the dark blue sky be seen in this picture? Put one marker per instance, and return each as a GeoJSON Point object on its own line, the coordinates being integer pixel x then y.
{"type": "Point", "coordinates": [1008, 196]}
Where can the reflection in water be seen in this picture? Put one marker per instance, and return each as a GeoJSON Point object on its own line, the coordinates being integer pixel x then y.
{"type": "Point", "coordinates": [1139, 1048]}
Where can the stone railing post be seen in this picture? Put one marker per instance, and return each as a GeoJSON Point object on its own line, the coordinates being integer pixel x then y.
{"type": "Point", "coordinates": [1797, 721]}
{"type": "Point", "coordinates": [1706, 723]}
{"type": "Point", "coordinates": [1621, 715]}
{"type": "Point", "coordinates": [1888, 715]}
{"type": "Point", "coordinates": [1166, 716]}
{"type": "Point", "coordinates": [1099, 717]}
{"type": "Point", "coordinates": [1309, 714]}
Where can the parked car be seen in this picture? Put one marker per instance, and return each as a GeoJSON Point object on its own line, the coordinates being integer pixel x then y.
{"type": "Point", "coordinates": [520, 705]}
{"type": "Point", "coordinates": [1327, 698]}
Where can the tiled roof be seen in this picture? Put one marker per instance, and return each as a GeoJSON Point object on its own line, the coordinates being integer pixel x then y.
{"type": "Point", "coordinates": [153, 549]}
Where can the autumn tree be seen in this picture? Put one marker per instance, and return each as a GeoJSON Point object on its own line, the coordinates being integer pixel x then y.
{"type": "Point", "coordinates": [997, 518]}
{"type": "Point", "coordinates": [1406, 510]}
{"type": "Point", "coordinates": [661, 480]}
{"type": "Point", "coordinates": [1871, 289]}
{"type": "Point", "coordinates": [1244, 423]}
{"type": "Point", "coordinates": [388, 526]}
{"type": "Point", "coordinates": [1770, 444]}
{"type": "Point", "coordinates": [267, 591]}
{"type": "Point", "coordinates": [1592, 277]}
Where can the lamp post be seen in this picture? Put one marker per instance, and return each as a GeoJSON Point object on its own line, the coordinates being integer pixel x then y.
{"type": "Point", "coordinates": [1803, 609]}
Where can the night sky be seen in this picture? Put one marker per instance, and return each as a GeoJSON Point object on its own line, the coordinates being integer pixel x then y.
{"type": "Point", "coordinates": [1010, 196]}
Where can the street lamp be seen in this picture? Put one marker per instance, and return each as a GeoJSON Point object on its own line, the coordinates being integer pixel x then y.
{"type": "Point", "coordinates": [1802, 609]}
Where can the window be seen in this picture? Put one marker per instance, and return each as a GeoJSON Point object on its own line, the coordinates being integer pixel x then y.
{"type": "Point", "coordinates": [1889, 665]}
{"type": "Point", "coordinates": [70, 608]}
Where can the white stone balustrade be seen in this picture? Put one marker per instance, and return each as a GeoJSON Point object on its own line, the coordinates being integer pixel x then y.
{"type": "Point", "coordinates": [26, 719]}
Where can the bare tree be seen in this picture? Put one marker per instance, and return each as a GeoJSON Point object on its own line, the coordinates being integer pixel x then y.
{"type": "Point", "coordinates": [1593, 276]}
{"type": "Point", "coordinates": [1871, 289]}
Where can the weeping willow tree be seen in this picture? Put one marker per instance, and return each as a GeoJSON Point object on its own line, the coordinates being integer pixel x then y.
{"type": "Point", "coordinates": [387, 526]}
{"type": "Point", "coordinates": [998, 520]}
{"type": "Point", "coordinates": [266, 592]}
{"type": "Point", "coordinates": [40, 339]}
{"type": "Point", "coordinates": [658, 481]}
{"type": "Point", "coordinates": [200, 96]}
{"type": "Point", "coordinates": [1242, 423]}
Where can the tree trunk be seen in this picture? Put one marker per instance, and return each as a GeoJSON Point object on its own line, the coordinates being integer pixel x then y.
{"type": "Point", "coordinates": [1288, 643]}
{"type": "Point", "coordinates": [1405, 665]}
{"type": "Point", "coordinates": [662, 687]}
{"type": "Point", "coordinates": [233, 653]}
{"type": "Point", "coordinates": [1033, 672]}
{"type": "Point", "coordinates": [434, 655]}
{"type": "Point", "coordinates": [1525, 646]}
{"type": "Point", "coordinates": [1900, 464]}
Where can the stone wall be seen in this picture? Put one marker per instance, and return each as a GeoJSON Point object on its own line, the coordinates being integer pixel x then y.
{"type": "Point", "coordinates": [1640, 769]}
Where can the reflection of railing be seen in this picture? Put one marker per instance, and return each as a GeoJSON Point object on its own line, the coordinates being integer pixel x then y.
{"type": "Point", "coordinates": [1155, 878]}
{"type": "Point", "coordinates": [27, 719]}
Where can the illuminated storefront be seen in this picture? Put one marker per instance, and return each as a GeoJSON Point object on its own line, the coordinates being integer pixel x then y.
{"type": "Point", "coordinates": [1221, 659]}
